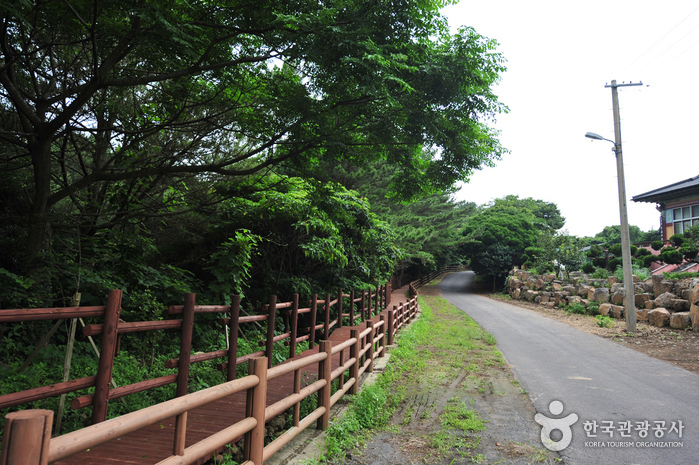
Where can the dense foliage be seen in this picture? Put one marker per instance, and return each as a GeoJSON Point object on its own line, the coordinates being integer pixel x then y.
{"type": "Point", "coordinates": [495, 238]}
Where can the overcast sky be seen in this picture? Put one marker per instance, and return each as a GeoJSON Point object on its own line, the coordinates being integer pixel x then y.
{"type": "Point", "coordinates": [559, 57]}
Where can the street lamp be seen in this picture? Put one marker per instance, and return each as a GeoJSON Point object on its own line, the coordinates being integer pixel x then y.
{"type": "Point", "coordinates": [629, 299]}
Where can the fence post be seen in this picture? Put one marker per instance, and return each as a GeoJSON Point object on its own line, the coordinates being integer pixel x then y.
{"type": "Point", "coordinates": [325, 372]}
{"type": "Point", "coordinates": [271, 313]}
{"type": "Point", "coordinates": [354, 352]}
{"type": "Point", "coordinates": [363, 304]}
{"type": "Point", "coordinates": [254, 442]}
{"type": "Point", "coordinates": [27, 437]}
{"type": "Point", "coordinates": [183, 370]}
{"type": "Point", "coordinates": [339, 309]}
{"type": "Point", "coordinates": [107, 352]}
{"type": "Point", "coordinates": [370, 339]}
{"type": "Point", "coordinates": [382, 341]}
{"type": "Point", "coordinates": [379, 298]}
{"type": "Point", "coordinates": [233, 324]}
{"type": "Point", "coordinates": [351, 310]}
{"type": "Point", "coordinates": [391, 320]}
{"type": "Point", "coordinates": [389, 293]}
{"type": "Point", "coordinates": [326, 324]}
{"type": "Point", "coordinates": [294, 325]}
{"type": "Point", "coordinates": [314, 309]}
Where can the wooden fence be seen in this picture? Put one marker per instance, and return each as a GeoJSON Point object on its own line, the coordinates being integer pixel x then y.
{"type": "Point", "coordinates": [27, 437]}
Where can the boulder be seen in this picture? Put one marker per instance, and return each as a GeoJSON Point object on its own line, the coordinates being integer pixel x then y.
{"type": "Point", "coordinates": [679, 305]}
{"type": "Point", "coordinates": [617, 311]}
{"type": "Point", "coordinates": [583, 289]}
{"type": "Point", "coordinates": [604, 309]}
{"type": "Point", "coordinates": [550, 304]}
{"type": "Point", "coordinates": [529, 296]}
{"type": "Point", "coordinates": [516, 294]}
{"type": "Point", "coordinates": [664, 300]}
{"type": "Point", "coordinates": [514, 283]}
{"type": "Point", "coordinates": [556, 286]}
{"type": "Point", "coordinates": [600, 295]}
{"type": "Point", "coordinates": [548, 277]}
{"type": "Point", "coordinates": [680, 320]}
{"type": "Point", "coordinates": [612, 280]}
{"type": "Point", "coordinates": [570, 289]}
{"type": "Point", "coordinates": [642, 314]}
{"type": "Point", "coordinates": [617, 297]}
{"type": "Point", "coordinates": [616, 287]}
{"type": "Point", "coordinates": [641, 299]}
{"type": "Point", "coordinates": [694, 307]}
{"type": "Point", "coordinates": [574, 299]}
{"type": "Point", "coordinates": [649, 305]}
{"type": "Point", "coordinates": [659, 317]}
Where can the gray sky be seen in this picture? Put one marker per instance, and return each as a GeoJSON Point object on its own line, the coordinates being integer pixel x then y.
{"type": "Point", "coordinates": [559, 57]}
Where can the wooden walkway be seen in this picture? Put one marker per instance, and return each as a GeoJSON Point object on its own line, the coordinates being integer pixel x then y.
{"type": "Point", "coordinates": [152, 444]}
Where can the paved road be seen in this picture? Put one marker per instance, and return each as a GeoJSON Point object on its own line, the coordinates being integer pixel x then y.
{"type": "Point", "coordinates": [598, 380]}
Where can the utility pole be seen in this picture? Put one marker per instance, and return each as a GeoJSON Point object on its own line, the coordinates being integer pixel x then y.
{"type": "Point", "coordinates": [629, 298]}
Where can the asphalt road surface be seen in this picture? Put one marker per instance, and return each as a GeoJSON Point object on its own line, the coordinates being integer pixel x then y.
{"type": "Point", "coordinates": [612, 390]}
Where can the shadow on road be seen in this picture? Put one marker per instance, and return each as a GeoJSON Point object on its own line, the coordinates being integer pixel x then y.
{"type": "Point", "coordinates": [458, 282]}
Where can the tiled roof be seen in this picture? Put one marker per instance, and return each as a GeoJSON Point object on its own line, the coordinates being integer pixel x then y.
{"type": "Point", "coordinates": [688, 186]}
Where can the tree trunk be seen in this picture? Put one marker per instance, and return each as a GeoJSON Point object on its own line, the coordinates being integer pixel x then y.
{"type": "Point", "coordinates": [40, 151]}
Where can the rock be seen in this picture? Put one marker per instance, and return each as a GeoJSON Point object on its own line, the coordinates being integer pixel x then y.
{"type": "Point", "coordinates": [679, 305]}
{"type": "Point", "coordinates": [616, 287]}
{"type": "Point", "coordinates": [642, 315]}
{"type": "Point", "coordinates": [570, 289]}
{"type": "Point", "coordinates": [583, 289]}
{"type": "Point", "coordinates": [617, 298]}
{"type": "Point", "coordinates": [612, 280]}
{"type": "Point", "coordinates": [574, 299]}
{"type": "Point", "coordinates": [650, 305]}
{"type": "Point", "coordinates": [548, 277]}
{"type": "Point", "coordinates": [694, 308]}
{"type": "Point", "coordinates": [656, 280]}
{"type": "Point", "coordinates": [641, 299]}
{"type": "Point", "coordinates": [659, 317]}
{"type": "Point", "coordinates": [516, 294]}
{"type": "Point", "coordinates": [664, 300]}
{"type": "Point", "coordinates": [617, 311]}
{"type": "Point", "coordinates": [600, 295]}
{"type": "Point", "coordinates": [514, 283]}
{"type": "Point", "coordinates": [636, 279]}
{"type": "Point", "coordinates": [680, 320]}
{"type": "Point", "coordinates": [529, 296]}
{"type": "Point", "coordinates": [604, 309]}
{"type": "Point", "coordinates": [557, 286]}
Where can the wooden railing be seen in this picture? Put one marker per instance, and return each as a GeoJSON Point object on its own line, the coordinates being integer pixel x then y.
{"type": "Point", "coordinates": [365, 305]}
{"type": "Point", "coordinates": [27, 438]}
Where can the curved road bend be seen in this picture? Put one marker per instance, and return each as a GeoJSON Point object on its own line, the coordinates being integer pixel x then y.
{"type": "Point", "coordinates": [596, 379]}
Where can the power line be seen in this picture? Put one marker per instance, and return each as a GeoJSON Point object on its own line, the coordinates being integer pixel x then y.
{"type": "Point", "coordinates": [661, 39]}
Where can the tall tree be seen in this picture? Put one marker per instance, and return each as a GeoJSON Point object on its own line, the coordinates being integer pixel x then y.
{"type": "Point", "coordinates": [113, 111]}
{"type": "Point", "coordinates": [496, 238]}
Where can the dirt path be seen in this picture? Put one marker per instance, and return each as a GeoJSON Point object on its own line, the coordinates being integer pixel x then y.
{"type": "Point", "coordinates": [464, 407]}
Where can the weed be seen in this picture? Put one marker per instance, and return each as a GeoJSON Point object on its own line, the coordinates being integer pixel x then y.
{"type": "Point", "coordinates": [604, 321]}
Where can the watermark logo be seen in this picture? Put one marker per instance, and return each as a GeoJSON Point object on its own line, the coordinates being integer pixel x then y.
{"type": "Point", "coordinates": [548, 425]}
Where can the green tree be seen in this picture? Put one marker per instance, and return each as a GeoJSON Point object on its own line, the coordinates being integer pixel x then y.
{"type": "Point", "coordinates": [114, 112]}
{"type": "Point", "coordinates": [496, 237]}
{"type": "Point", "coordinates": [546, 214]}
{"type": "Point", "coordinates": [612, 234]}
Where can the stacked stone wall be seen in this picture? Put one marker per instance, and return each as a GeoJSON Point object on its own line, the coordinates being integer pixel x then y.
{"type": "Point", "coordinates": [658, 301]}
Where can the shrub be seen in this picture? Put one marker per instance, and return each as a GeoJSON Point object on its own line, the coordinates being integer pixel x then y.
{"type": "Point", "coordinates": [677, 240]}
{"type": "Point", "coordinates": [576, 308]}
{"type": "Point", "coordinates": [588, 268]}
{"type": "Point", "coordinates": [656, 245]}
{"type": "Point", "coordinates": [600, 273]}
{"type": "Point", "coordinates": [614, 263]}
{"type": "Point", "coordinates": [641, 252]}
{"type": "Point", "coordinates": [604, 321]}
{"type": "Point", "coordinates": [593, 309]}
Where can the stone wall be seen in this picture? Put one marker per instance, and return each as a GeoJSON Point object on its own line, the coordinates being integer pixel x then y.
{"type": "Point", "coordinates": [660, 302]}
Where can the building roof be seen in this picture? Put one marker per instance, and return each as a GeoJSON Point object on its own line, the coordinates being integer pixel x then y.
{"type": "Point", "coordinates": [673, 191]}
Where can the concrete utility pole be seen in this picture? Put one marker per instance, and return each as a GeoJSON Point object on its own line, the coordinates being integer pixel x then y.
{"type": "Point", "coordinates": [629, 298]}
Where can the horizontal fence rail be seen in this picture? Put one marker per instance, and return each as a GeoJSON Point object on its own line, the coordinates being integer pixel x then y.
{"type": "Point", "coordinates": [29, 431]}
